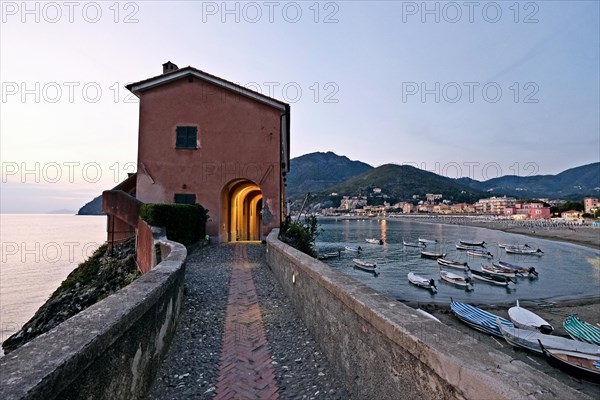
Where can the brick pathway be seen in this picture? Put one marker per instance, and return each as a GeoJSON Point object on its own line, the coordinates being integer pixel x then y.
{"type": "Point", "coordinates": [245, 369]}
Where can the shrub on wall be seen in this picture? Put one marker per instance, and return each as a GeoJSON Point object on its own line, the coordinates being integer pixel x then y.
{"type": "Point", "coordinates": [185, 223]}
{"type": "Point", "coordinates": [301, 235]}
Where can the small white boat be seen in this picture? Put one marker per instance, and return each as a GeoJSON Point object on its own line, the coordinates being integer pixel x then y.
{"type": "Point", "coordinates": [413, 244]}
{"type": "Point", "coordinates": [489, 278]}
{"type": "Point", "coordinates": [353, 249]}
{"type": "Point", "coordinates": [525, 319]}
{"type": "Point", "coordinates": [469, 243]}
{"type": "Point", "coordinates": [480, 253]}
{"type": "Point", "coordinates": [326, 256]}
{"type": "Point", "coordinates": [455, 279]}
{"type": "Point", "coordinates": [528, 339]}
{"type": "Point", "coordinates": [527, 252]}
{"type": "Point", "coordinates": [451, 264]}
{"type": "Point", "coordinates": [422, 240]}
{"type": "Point", "coordinates": [374, 241]}
{"type": "Point", "coordinates": [497, 271]}
{"type": "Point", "coordinates": [516, 246]}
{"type": "Point", "coordinates": [364, 265]}
{"type": "Point", "coordinates": [433, 255]}
{"type": "Point", "coordinates": [422, 282]}
{"type": "Point", "coordinates": [517, 269]}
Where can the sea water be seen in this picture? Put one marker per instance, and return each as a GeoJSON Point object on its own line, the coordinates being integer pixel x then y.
{"type": "Point", "coordinates": [566, 271]}
{"type": "Point", "coordinates": [37, 252]}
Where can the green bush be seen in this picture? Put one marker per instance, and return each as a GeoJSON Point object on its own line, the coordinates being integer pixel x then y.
{"type": "Point", "coordinates": [301, 235]}
{"type": "Point", "coordinates": [185, 223]}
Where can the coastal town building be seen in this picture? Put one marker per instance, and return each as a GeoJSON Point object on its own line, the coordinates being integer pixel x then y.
{"type": "Point", "coordinates": [527, 211]}
{"type": "Point", "coordinates": [494, 205]}
{"type": "Point", "coordinates": [571, 215]}
{"type": "Point", "coordinates": [590, 204]}
{"type": "Point", "coordinates": [205, 140]}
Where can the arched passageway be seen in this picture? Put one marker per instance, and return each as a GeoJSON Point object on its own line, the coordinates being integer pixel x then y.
{"type": "Point", "coordinates": [242, 206]}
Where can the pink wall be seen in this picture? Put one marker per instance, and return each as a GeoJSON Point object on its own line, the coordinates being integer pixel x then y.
{"type": "Point", "coordinates": [238, 138]}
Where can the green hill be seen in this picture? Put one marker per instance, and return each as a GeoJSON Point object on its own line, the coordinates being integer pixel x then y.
{"type": "Point", "coordinates": [574, 183]}
{"type": "Point", "coordinates": [401, 183]}
{"type": "Point", "coordinates": [316, 171]}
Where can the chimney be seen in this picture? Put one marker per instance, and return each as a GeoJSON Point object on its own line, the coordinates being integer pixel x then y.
{"type": "Point", "coordinates": [169, 67]}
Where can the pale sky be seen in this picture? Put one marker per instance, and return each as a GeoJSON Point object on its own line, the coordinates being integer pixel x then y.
{"type": "Point", "coordinates": [478, 89]}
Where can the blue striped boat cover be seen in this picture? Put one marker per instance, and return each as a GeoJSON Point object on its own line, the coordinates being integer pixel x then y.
{"type": "Point", "coordinates": [581, 330]}
{"type": "Point", "coordinates": [479, 319]}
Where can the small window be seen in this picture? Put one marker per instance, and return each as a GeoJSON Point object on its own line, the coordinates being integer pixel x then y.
{"type": "Point", "coordinates": [185, 198]}
{"type": "Point", "coordinates": [187, 137]}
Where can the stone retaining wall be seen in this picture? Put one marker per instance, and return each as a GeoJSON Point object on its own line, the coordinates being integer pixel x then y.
{"type": "Point", "coordinates": [111, 350]}
{"type": "Point", "coordinates": [383, 349]}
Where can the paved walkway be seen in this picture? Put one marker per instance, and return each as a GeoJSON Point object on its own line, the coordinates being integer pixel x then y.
{"type": "Point", "coordinates": [245, 370]}
{"type": "Point", "coordinates": [239, 337]}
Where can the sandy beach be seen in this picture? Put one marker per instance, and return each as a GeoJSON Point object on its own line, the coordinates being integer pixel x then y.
{"type": "Point", "coordinates": [584, 235]}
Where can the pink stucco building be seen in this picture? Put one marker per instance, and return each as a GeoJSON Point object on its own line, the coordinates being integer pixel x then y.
{"type": "Point", "coordinates": [203, 139]}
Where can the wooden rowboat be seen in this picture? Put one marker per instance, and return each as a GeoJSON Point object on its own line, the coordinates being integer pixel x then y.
{"type": "Point", "coordinates": [479, 319]}
{"type": "Point", "coordinates": [581, 330]}
{"type": "Point", "coordinates": [581, 365]}
{"type": "Point", "coordinates": [468, 243]}
{"type": "Point", "coordinates": [516, 268]}
{"type": "Point", "coordinates": [529, 340]}
{"type": "Point", "coordinates": [422, 282]}
{"type": "Point", "coordinates": [497, 271]}
{"type": "Point", "coordinates": [451, 264]}
{"type": "Point", "coordinates": [480, 253]}
{"type": "Point", "coordinates": [433, 255]}
{"type": "Point", "coordinates": [413, 244]}
{"type": "Point", "coordinates": [525, 319]}
{"type": "Point", "coordinates": [489, 278]}
{"type": "Point", "coordinates": [353, 249]}
{"type": "Point", "coordinates": [526, 252]}
{"type": "Point", "coordinates": [455, 279]}
{"type": "Point", "coordinates": [326, 256]}
{"type": "Point", "coordinates": [364, 265]}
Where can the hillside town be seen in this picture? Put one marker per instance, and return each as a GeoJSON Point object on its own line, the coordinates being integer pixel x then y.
{"type": "Point", "coordinates": [500, 207]}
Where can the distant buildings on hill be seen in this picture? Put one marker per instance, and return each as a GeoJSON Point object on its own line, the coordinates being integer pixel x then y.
{"type": "Point", "coordinates": [506, 207]}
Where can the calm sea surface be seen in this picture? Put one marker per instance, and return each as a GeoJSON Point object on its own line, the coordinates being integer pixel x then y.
{"type": "Point", "coordinates": [37, 254]}
{"type": "Point", "coordinates": [566, 271]}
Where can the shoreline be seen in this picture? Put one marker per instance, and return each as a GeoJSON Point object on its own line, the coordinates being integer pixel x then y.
{"type": "Point", "coordinates": [581, 235]}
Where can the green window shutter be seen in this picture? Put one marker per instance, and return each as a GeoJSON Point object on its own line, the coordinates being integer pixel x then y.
{"type": "Point", "coordinates": [187, 137]}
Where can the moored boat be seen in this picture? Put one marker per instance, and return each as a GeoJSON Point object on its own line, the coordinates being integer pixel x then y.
{"type": "Point", "coordinates": [364, 265]}
{"type": "Point", "coordinates": [422, 240]}
{"type": "Point", "coordinates": [451, 264]}
{"type": "Point", "coordinates": [527, 252]}
{"type": "Point", "coordinates": [422, 282]}
{"type": "Point", "coordinates": [524, 319]}
{"type": "Point", "coordinates": [455, 279]}
{"type": "Point", "coordinates": [581, 365]}
{"type": "Point", "coordinates": [529, 339]}
{"type": "Point", "coordinates": [489, 278]}
{"type": "Point", "coordinates": [497, 271]}
{"type": "Point", "coordinates": [581, 330]}
{"type": "Point", "coordinates": [432, 255]}
{"type": "Point", "coordinates": [353, 249]}
{"type": "Point", "coordinates": [516, 268]}
{"type": "Point", "coordinates": [374, 241]}
{"type": "Point", "coordinates": [326, 256]}
{"type": "Point", "coordinates": [413, 244]}
{"type": "Point", "coordinates": [479, 319]}
{"type": "Point", "coordinates": [516, 246]}
{"type": "Point", "coordinates": [463, 247]}
{"type": "Point", "coordinates": [469, 243]}
{"type": "Point", "coordinates": [480, 253]}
